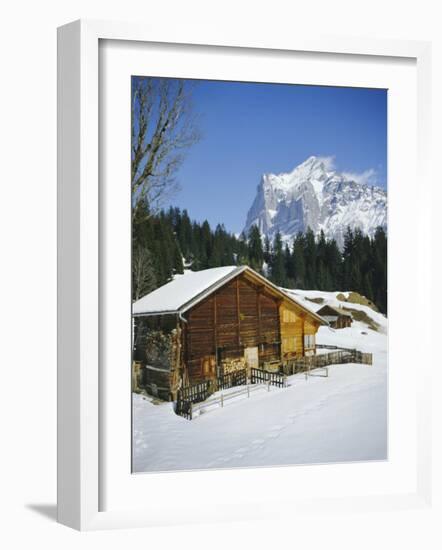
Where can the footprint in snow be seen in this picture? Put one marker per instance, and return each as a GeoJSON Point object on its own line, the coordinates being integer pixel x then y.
{"type": "Point", "coordinates": [223, 459]}
{"type": "Point", "coordinates": [240, 451]}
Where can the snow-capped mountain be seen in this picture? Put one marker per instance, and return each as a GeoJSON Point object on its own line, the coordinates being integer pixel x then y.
{"type": "Point", "coordinates": [315, 195]}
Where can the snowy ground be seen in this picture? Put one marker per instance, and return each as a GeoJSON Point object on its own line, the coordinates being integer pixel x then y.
{"type": "Point", "coordinates": [335, 419]}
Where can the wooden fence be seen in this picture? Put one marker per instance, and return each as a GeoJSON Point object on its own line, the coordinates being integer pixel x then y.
{"type": "Point", "coordinates": [327, 346]}
{"type": "Point", "coordinates": [189, 397]}
{"type": "Point", "coordinates": [193, 398]}
{"type": "Point", "coordinates": [192, 394]}
{"type": "Point", "coordinates": [341, 356]}
{"type": "Point", "coordinates": [196, 393]}
{"type": "Point", "coordinates": [222, 398]}
{"type": "Point", "coordinates": [258, 376]}
{"type": "Point", "coordinates": [236, 378]}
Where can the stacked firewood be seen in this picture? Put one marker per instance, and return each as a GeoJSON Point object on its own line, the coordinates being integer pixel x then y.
{"type": "Point", "coordinates": [175, 360]}
{"type": "Point", "coordinates": [137, 376]}
{"type": "Point", "coordinates": [233, 365]}
{"type": "Point", "coordinates": [159, 349]}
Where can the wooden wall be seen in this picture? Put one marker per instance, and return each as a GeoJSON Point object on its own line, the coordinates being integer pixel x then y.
{"type": "Point", "coordinates": [295, 324]}
{"type": "Point", "coordinates": [292, 331]}
{"type": "Point", "coordinates": [343, 321]}
{"type": "Point", "coordinates": [310, 326]}
{"type": "Point", "coordinates": [239, 315]}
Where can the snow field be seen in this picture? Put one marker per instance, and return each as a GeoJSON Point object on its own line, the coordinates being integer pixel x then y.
{"type": "Point", "coordinates": [336, 419]}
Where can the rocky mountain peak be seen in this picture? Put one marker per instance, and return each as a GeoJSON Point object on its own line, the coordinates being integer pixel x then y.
{"type": "Point", "coordinates": [315, 195]}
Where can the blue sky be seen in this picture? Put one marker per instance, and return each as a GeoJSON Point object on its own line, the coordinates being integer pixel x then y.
{"type": "Point", "coordinates": [249, 129]}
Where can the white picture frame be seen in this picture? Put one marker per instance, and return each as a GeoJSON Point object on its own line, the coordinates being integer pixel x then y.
{"type": "Point", "coordinates": [79, 438]}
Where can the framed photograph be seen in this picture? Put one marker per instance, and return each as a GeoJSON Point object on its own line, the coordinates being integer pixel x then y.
{"type": "Point", "coordinates": [237, 319]}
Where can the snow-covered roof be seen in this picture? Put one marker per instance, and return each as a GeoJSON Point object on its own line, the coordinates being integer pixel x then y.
{"type": "Point", "coordinates": [184, 291]}
{"type": "Point", "coordinates": [174, 296]}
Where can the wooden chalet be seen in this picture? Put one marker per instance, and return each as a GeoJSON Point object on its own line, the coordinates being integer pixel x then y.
{"type": "Point", "coordinates": [206, 324]}
{"type": "Point", "coordinates": [336, 316]}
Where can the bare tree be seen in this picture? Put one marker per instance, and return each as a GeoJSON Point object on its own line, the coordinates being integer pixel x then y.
{"type": "Point", "coordinates": [163, 128]}
{"type": "Point", "coordinates": [143, 274]}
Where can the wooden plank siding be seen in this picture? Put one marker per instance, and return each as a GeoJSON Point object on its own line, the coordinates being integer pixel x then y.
{"type": "Point", "coordinates": [295, 324]}
{"type": "Point", "coordinates": [291, 332]}
{"type": "Point", "coordinates": [238, 315]}
{"type": "Point", "coordinates": [310, 327]}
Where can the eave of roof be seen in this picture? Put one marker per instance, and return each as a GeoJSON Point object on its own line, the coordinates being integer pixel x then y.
{"type": "Point", "coordinates": [185, 306]}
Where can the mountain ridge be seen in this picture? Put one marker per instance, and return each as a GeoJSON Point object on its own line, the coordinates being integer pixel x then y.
{"type": "Point", "coordinates": [316, 195]}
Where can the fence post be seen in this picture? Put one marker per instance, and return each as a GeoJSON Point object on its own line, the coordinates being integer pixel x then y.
{"type": "Point", "coordinates": [268, 385]}
{"type": "Point", "coordinates": [222, 400]}
{"type": "Point", "coordinates": [191, 410]}
{"type": "Point", "coordinates": [248, 390]}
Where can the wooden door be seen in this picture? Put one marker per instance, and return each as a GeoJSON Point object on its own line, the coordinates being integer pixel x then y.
{"type": "Point", "coordinates": [252, 358]}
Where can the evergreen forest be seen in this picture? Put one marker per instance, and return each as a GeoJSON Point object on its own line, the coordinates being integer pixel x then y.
{"type": "Point", "coordinates": [169, 241]}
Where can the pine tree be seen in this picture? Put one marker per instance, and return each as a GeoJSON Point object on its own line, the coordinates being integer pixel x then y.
{"type": "Point", "coordinates": [278, 275]}
{"type": "Point", "coordinates": [379, 248]}
{"type": "Point", "coordinates": [321, 264]}
{"type": "Point", "coordinates": [367, 287]}
{"type": "Point", "coordinates": [267, 250]}
{"type": "Point", "coordinates": [347, 259]}
{"type": "Point", "coordinates": [206, 244]}
{"type": "Point", "coordinates": [255, 250]}
{"type": "Point", "coordinates": [185, 236]}
{"type": "Point", "coordinates": [217, 253]}
{"type": "Point", "coordinates": [163, 250]}
{"type": "Point", "coordinates": [241, 250]}
{"type": "Point", "coordinates": [299, 260]}
{"type": "Point", "coordinates": [289, 267]}
{"type": "Point", "coordinates": [355, 277]}
{"type": "Point", "coordinates": [177, 257]}
{"type": "Point", "coordinates": [334, 263]}
{"type": "Point", "coordinates": [310, 259]}
{"type": "Point", "coordinates": [290, 263]}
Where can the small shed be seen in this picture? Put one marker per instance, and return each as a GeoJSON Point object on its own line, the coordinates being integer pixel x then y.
{"type": "Point", "coordinates": [204, 325]}
{"type": "Point", "coordinates": [336, 316]}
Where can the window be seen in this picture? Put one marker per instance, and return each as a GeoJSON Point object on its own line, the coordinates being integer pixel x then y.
{"type": "Point", "coordinates": [309, 341]}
